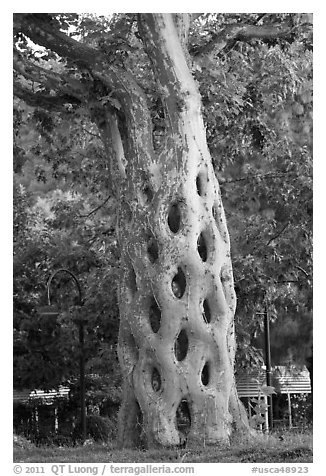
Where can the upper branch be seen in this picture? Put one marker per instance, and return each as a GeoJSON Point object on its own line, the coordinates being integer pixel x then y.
{"type": "Point", "coordinates": [112, 141]}
{"type": "Point", "coordinates": [118, 84]}
{"type": "Point", "coordinates": [49, 79]}
{"type": "Point", "coordinates": [39, 28]}
{"type": "Point", "coordinates": [182, 23]}
{"type": "Point", "coordinates": [134, 109]}
{"type": "Point", "coordinates": [232, 33]}
{"type": "Point", "coordinates": [39, 99]}
{"type": "Point", "coordinates": [164, 39]}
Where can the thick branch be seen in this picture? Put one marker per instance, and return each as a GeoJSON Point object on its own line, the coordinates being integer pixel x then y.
{"type": "Point", "coordinates": [257, 177]}
{"type": "Point", "coordinates": [232, 33]}
{"type": "Point", "coordinates": [161, 36]}
{"type": "Point", "coordinates": [41, 31]}
{"type": "Point", "coordinates": [47, 101]}
{"type": "Point", "coordinates": [263, 32]}
{"type": "Point", "coordinates": [182, 22]}
{"type": "Point", "coordinates": [135, 110]}
{"type": "Point", "coordinates": [111, 138]}
{"type": "Point", "coordinates": [119, 86]}
{"type": "Point", "coordinates": [47, 78]}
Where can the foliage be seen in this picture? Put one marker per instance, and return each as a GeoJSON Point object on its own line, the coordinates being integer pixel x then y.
{"type": "Point", "coordinates": [301, 412]}
{"type": "Point", "coordinates": [259, 407]}
{"type": "Point", "coordinates": [260, 138]}
{"type": "Point", "coordinates": [50, 235]}
{"type": "Point", "coordinates": [99, 428]}
{"type": "Point", "coordinates": [301, 405]}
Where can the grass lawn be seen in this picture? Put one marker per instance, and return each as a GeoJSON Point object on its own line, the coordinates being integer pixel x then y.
{"type": "Point", "coordinates": [295, 448]}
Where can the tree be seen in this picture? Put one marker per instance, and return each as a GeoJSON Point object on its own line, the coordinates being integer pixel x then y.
{"type": "Point", "coordinates": [176, 296]}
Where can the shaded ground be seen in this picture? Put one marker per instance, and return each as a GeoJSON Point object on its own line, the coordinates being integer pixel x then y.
{"type": "Point", "coordinates": [292, 448]}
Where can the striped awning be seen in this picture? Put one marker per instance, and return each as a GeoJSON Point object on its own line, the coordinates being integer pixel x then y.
{"type": "Point", "coordinates": [46, 396]}
{"type": "Point", "coordinates": [292, 381]}
{"type": "Point", "coordinates": [284, 379]}
{"type": "Point", "coordinates": [249, 383]}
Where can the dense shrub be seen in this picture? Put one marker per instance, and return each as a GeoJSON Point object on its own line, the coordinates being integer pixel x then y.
{"type": "Point", "coordinates": [98, 428]}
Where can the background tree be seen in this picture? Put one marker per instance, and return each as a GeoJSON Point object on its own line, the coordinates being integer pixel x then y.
{"type": "Point", "coordinates": [261, 143]}
{"type": "Point", "coordinates": [76, 89]}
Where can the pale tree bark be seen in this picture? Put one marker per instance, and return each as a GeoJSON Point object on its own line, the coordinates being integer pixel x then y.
{"type": "Point", "coordinates": [177, 299]}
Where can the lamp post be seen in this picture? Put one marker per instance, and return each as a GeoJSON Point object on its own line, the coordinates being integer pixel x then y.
{"type": "Point", "coordinates": [52, 311]}
{"type": "Point", "coordinates": [267, 348]}
{"type": "Point", "coordinates": [268, 366]}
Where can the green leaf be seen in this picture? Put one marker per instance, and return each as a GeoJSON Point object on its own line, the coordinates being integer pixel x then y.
{"type": "Point", "coordinates": [267, 390]}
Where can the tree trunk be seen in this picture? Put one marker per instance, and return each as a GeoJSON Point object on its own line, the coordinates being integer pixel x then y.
{"type": "Point", "coordinates": [177, 301]}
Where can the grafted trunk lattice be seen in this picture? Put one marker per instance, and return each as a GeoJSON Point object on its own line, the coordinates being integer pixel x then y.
{"type": "Point", "coordinates": [177, 300]}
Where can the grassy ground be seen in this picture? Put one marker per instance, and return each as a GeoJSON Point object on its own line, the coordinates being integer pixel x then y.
{"type": "Point", "coordinates": [295, 448]}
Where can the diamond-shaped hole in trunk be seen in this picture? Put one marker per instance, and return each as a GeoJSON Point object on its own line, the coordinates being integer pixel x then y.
{"type": "Point", "coordinates": [205, 374]}
{"type": "Point", "coordinates": [202, 247]}
{"type": "Point", "coordinates": [156, 380]}
{"type": "Point", "coordinates": [148, 193]}
{"type": "Point", "coordinates": [152, 248]}
{"type": "Point", "coordinates": [178, 284]}
{"type": "Point", "coordinates": [206, 312]}
{"type": "Point", "coordinates": [154, 315]}
{"type": "Point", "coordinates": [132, 281]}
{"type": "Point", "coordinates": [181, 345]}
{"type": "Point", "coordinates": [174, 217]}
{"type": "Point", "coordinates": [183, 418]}
{"type": "Point", "coordinates": [201, 183]}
